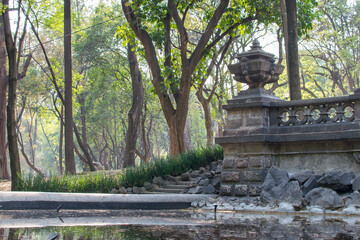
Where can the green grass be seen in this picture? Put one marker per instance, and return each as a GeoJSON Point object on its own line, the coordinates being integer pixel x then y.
{"type": "Point", "coordinates": [102, 182]}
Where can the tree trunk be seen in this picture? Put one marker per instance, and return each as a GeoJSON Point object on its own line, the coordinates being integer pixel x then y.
{"type": "Point", "coordinates": [11, 117]}
{"type": "Point", "coordinates": [61, 140]}
{"type": "Point", "coordinates": [135, 111]}
{"type": "Point", "coordinates": [292, 54]}
{"type": "Point", "coordinates": [4, 168]}
{"type": "Point", "coordinates": [70, 167]}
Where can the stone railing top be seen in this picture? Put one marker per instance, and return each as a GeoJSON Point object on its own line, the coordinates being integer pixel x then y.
{"type": "Point", "coordinates": [316, 111]}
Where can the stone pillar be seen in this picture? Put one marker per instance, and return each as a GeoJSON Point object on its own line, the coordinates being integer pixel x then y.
{"type": "Point", "coordinates": [247, 154]}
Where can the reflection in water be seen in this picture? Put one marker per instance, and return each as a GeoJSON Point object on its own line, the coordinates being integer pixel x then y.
{"type": "Point", "coordinates": [283, 227]}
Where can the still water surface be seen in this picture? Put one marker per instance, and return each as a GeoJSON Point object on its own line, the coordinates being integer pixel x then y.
{"type": "Point", "coordinates": [187, 225]}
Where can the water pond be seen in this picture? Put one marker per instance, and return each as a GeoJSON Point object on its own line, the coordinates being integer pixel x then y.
{"type": "Point", "coordinates": [174, 225]}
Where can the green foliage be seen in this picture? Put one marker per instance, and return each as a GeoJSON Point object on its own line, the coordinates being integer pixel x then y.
{"type": "Point", "coordinates": [102, 182]}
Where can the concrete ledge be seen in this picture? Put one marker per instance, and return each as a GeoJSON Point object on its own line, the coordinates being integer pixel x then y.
{"type": "Point", "coordinates": [40, 200]}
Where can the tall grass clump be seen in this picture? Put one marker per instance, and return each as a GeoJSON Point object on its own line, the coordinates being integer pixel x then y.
{"type": "Point", "coordinates": [102, 182]}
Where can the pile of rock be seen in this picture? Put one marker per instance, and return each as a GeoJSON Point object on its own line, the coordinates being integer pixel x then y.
{"type": "Point", "coordinates": [332, 190]}
{"type": "Point", "coordinates": [206, 179]}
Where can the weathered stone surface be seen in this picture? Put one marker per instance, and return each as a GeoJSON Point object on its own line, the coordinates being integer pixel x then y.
{"type": "Point", "coordinates": [292, 194]}
{"type": "Point", "coordinates": [114, 191]}
{"type": "Point", "coordinates": [204, 182]}
{"type": "Point", "coordinates": [195, 174]}
{"type": "Point", "coordinates": [232, 176]}
{"type": "Point", "coordinates": [241, 163]}
{"type": "Point", "coordinates": [356, 184]}
{"type": "Point", "coordinates": [302, 176]}
{"type": "Point", "coordinates": [254, 175]}
{"type": "Point", "coordinates": [310, 184]}
{"type": "Point", "coordinates": [158, 181]}
{"type": "Point", "coordinates": [170, 178]}
{"type": "Point", "coordinates": [353, 199]}
{"type": "Point", "coordinates": [185, 177]}
{"type": "Point", "coordinates": [228, 163]}
{"type": "Point", "coordinates": [123, 190]}
{"type": "Point", "coordinates": [226, 190]}
{"type": "Point", "coordinates": [202, 170]}
{"type": "Point", "coordinates": [216, 182]}
{"type": "Point", "coordinates": [135, 190]}
{"type": "Point", "coordinates": [337, 180]}
{"type": "Point", "coordinates": [241, 190]}
{"type": "Point", "coordinates": [273, 186]}
{"type": "Point", "coordinates": [323, 197]}
{"type": "Point", "coordinates": [195, 190]}
{"type": "Point", "coordinates": [209, 189]}
{"type": "Point", "coordinates": [148, 186]}
{"type": "Point", "coordinates": [254, 190]}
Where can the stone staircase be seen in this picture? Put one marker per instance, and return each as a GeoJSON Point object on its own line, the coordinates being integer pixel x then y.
{"type": "Point", "coordinates": [175, 185]}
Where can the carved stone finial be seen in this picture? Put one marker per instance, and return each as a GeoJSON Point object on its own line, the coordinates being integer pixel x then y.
{"type": "Point", "coordinates": [256, 67]}
{"type": "Point", "coordinates": [256, 45]}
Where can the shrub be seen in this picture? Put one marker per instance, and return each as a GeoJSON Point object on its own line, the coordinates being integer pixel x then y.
{"type": "Point", "coordinates": [102, 182]}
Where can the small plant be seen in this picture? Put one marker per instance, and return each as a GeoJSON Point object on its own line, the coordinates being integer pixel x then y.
{"type": "Point", "coordinates": [102, 182]}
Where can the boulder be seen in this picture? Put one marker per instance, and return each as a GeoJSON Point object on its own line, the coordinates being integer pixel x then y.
{"type": "Point", "coordinates": [216, 182]}
{"type": "Point", "coordinates": [185, 177]}
{"type": "Point", "coordinates": [310, 184]}
{"type": "Point", "coordinates": [170, 178]}
{"type": "Point", "coordinates": [292, 194]}
{"type": "Point", "coordinates": [158, 181]}
{"type": "Point", "coordinates": [356, 184]}
{"type": "Point", "coordinates": [195, 174]}
{"type": "Point", "coordinates": [135, 190]}
{"type": "Point", "coordinates": [302, 176]}
{"type": "Point", "coordinates": [195, 190]}
{"type": "Point", "coordinates": [114, 191]}
{"type": "Point", "coordinates": [148, 186]}
{"type": "Point", "coordinates": [273, 186]}
{"type": "Point", "coordinates": [323, 197]}
{"type": "Point", "coordinates": [123, 190]}
{"type": "Point", "coordinates": [209, 189]}
{"type": "Point", "coordinates": [337, 180]}
{"type": "Point", "coordinates": [353, 199]}
{"type": "Point", "coordinates": [204, 182]}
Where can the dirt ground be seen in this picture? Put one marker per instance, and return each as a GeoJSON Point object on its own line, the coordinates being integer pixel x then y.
{"type": "Point", "coordinates": [5, 185]}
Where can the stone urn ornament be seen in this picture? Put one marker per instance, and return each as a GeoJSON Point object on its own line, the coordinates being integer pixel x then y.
{"type": "Point", "coordinates": [256, 67]}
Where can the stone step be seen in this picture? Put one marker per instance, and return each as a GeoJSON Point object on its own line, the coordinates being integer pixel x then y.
{"type": "Point", "coordinates": [175, 186]}
{"type": "Point", "coordinates": [168, 190]}
{"type": "Point", "coordinates": [185, 182]}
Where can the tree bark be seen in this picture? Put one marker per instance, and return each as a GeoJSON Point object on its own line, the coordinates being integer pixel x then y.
{"type": "Point", "coordinates": [61, 141]}
{"type": "Point", "coordinates": [293, 54]}
{"type": "Point", "coordinates": [4, 168]}
{"type": "Point", "coordinates": [11, 117]}
{"type": "Point", "coordinates": [70, 167]}
{"type": "Point", "coordinates": [136, 108]}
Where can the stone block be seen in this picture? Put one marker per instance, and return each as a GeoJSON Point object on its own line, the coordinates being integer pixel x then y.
{"type": "Point", "coordinates": [254, 175]}
{"type": "Point", "coordinates": [226, 190]}
{"type": "Point", "coordinates": [256, 162]}
{"type": "Point", "coordinates": [230, 176]}
{"type": "Point", "coordinates": [228, 163]}
{"type": "Point", "coordinates": [254, 190]}
{"type": "Point", "coordinates": [241, 190]}
{"type": "Point", "coordinates": [241, 162]}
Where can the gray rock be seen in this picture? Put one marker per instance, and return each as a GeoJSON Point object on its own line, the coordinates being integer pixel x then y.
{"type": "Point", "coordinates": [209, 189]}
{"type": "Point", "coordinates": [158, 181]}
{"type": "Point", "coordinates": [123, 190]}
{"type": "Point", "coordinates": [135, 190]}
{"type": "Point", "coordinates": [114, 191]}
{"type": "Point", "coordinates": [216, 182]}
{"type": "Point", "coordinates": [142, 190]}
{"type": "Point", "coordinates": [323, 197]}
{"type": "Point", "coordinates": [195, 174]}
{"type": "Point", "coordinates": [185, 177]}
{"type": "Point", "coordinates": [129, 190]}
{"type": "Point", "coordinates": [206, 175]}
{"type": "Point", "coordinates": [148, 186]}
{"type": "Point", "coordinates": [337, 180]}
{"type": "Point", "coordinates": [310, 184]}
{"type": "Point", "coordinates": [353, 199]}
{"type": "Point", "coordinates": [170, 178]}
{"type": "Point", "coordinates": [274, 184]}
{"type": "Point", "coordinates": [202, 169]}
{"type": "Point", "coordinates": [302, 176]}
{"type": "Point", "coordinates": [195, 190]}
{"type": "Point", "coordinates": [292, 194]}
{"type": "Point", "coordinates": [356, 184]}
{"type": "Point", "coordinates": [204, 182]}
{"type": "Point", "coordinates": [214, 166]}
{"type": "Point", "coordinates": [218, 169]}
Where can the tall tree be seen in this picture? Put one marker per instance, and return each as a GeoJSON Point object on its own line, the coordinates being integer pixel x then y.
{"type": "Point", "coordinates": [70, 167]}
{"type": "Point", "coordinates": [11, 49]}
{"type": "Point", "coordinates": [292, 50]}
{"type": "Point", "coordinates": [135, 111]}
{"type": "Point", "coordinates": [4, 168]}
